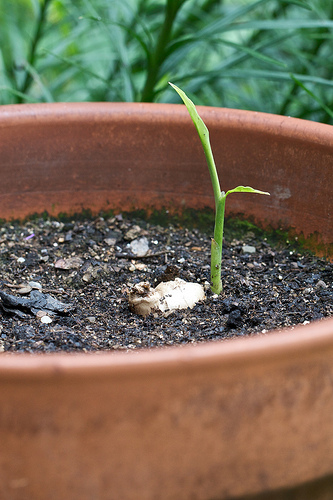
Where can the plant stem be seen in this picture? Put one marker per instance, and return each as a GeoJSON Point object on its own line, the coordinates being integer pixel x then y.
{"type": "Point", "coordinates": [217, 244]}
{"type": "Point", "coordinates": [217, 241]}
{"type": "Point", "coordinates": [212, 171]}
{"type": "Point", "coordinates": [157, 57]}
{"type": "Point", "coordinates": [31, 59]}
{"type": "Point", "coordinates": [220, 196]}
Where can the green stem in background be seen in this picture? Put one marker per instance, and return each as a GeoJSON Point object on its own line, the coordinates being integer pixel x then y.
{"type": "Point", "coordinates": [157, 57]}
{"type": "Point", "coordinates": [31, 59]}
{"type": "Point", "coordinates": [219, 196]}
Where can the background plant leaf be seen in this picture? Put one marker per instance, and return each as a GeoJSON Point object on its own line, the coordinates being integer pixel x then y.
{"type": "Point", "coordinates": [230, 53]}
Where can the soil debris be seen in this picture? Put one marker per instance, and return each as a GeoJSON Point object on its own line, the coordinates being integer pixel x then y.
{"type": "Point", "coordinates": [37, 302]}
{"type": "Point", "coordinates": [272, 287]}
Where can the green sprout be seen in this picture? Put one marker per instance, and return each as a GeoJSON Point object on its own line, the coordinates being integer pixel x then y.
{"type": "Point", "coordinates": [219, 196]}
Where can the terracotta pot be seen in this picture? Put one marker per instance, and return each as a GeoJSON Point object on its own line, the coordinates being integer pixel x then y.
{"type": "Point", "coordinates": [214, 421]}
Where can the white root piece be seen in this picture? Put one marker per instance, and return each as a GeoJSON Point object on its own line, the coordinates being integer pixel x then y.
{"type": "Point", "coordinates": [166, 297]}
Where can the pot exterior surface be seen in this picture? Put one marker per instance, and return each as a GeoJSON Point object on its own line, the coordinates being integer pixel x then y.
{"type": "Point", "coordinates": [193, 423]}
{"type": "Point", "coordinates": [214, 421]}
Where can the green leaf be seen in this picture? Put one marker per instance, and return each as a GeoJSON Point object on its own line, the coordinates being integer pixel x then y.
{"type": "Point", "coordinates": [262, 74]}
{"type": "Point", "coordinates": [246, 189]}
{"type": "Point", "coordinates": [229, 21]}
{"type": "Point", "coordinates": [254, 53]}
{"type": "Point", "coordinates": [204, 137]}
{"type": "Point", "coordinates": [299, 3]}
{"type": "Point", "coordinates": [198, 122]}
{"type": "Point", "coordinates": [311, 94]}
{"type": "Point", "coordinates": [72, 62]}
{"type": "Point", "coordinates": [284, 24]}
{"type": "Point", "coordinates": [17, 93]}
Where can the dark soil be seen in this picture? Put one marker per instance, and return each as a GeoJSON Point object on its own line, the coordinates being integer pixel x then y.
{"type": "Point", "coordinates": [273, 287]}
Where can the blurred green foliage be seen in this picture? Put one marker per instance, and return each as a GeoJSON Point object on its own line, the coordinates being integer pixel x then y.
{"type": "Point", "coordinates": [266, 55]}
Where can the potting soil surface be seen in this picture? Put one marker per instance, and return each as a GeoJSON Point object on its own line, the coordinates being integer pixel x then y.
{"type": "Point", "coordinates": [64, 285]}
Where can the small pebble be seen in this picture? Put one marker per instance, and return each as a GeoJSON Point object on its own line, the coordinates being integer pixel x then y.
{"type": "Point", "coordinates": [46, 319]}
{"type": "Point", "coordinates": [321, 284]}
{"type": "Point", "coordinates": [133, 233]}
{"type": "Point", "coordinates": [139, 247]}
{"type": "Point", "coordinates": [110, 241]}
{"type": "Point", "coordinates": [248, 249]}
{"type": "Point", "coordinates": [43, 316]}
{"type": "Point", "coordinates": [69, 236]}
{"type": "Point", "coordinates": [35, 285]}
{"type": "Point", "coordinates": [69, 263]}
{"type": "Point", "coordinates": [40, 314]}
{"type": "Point", "coordinates": [20, 260]}
{"type": "Point", "coordinates": [137, 266]}
{"type": "Point", "coordinates": [90, 275]}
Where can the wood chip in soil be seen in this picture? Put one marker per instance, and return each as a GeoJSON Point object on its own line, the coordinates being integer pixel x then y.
{"type": "Point", "coordinates": [89, 265]}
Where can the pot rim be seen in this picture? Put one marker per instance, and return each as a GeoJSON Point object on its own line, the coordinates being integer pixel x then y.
{"type": "Point", "coordinates": [305, 340]}
{"type": "Point", "coordinates": [296, 128]}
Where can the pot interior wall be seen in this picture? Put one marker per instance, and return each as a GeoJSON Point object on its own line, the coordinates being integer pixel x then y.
{"type": "Point", "coordinates": [64, 158]}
